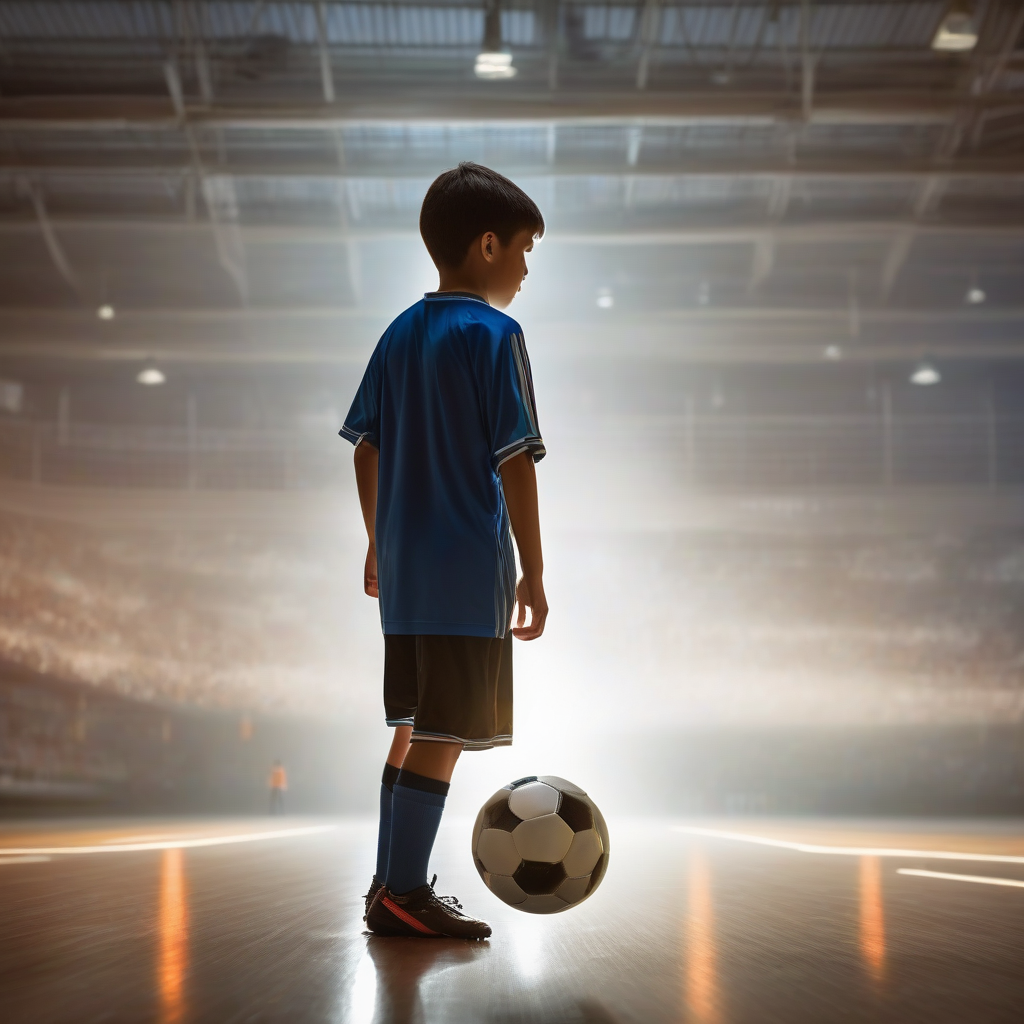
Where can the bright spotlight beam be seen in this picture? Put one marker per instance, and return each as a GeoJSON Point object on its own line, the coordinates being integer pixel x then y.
{"type": "Point", "coordinates": [852, 851]}
{"type": "Point", "coordinates": [168, 844]}
{"type": "Point", "coordinates": [980, 879]}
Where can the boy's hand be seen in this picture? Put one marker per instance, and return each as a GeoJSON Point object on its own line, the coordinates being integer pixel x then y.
{"type": "Point", "coordinates": [370, 572]}
{"type": "Point", "coordinates": [532, 597]}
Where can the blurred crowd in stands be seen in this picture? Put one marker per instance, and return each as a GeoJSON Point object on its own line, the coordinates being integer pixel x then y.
{"type": "Point", "coordinates": [676, 628]}
{"type": "Point", "coordinates": [209, 617]}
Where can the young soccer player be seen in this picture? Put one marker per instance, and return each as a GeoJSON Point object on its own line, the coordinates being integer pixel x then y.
{"type": "Point", "coordinates": [445, 429]}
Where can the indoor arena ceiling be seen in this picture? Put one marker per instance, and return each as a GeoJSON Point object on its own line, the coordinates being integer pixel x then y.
{"type": "Point", "coordinates": [722, 180]}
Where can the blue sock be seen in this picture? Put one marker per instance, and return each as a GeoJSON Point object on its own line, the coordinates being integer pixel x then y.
{"type": "Point", "coordinates": [416, 809]}
{"type": "Point", "coordinates": [387, 784]}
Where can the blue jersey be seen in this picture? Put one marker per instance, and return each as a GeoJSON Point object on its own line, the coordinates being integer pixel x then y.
{"type": "Point", "coordinates": [446, 398]}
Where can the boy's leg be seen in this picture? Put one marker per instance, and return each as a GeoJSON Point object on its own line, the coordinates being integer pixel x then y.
{"type": "Point", "coordinates": [434, 760]}
{"type": "Point", "coordinates": [396, 755]}
{"type": "Point", "coordinates": [455, 703]}
{"type": "Point", "coordinates": [417, 805]}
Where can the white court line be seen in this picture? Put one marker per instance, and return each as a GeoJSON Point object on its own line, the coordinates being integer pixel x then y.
{"type": "Point", "coordinates": [150, 838]}
{"type": "Point", "coordinates": [982, 879]}
{"type": "Point", "coordinates": [167, 844]}
{"type": "Point", "coordinates": [852, 851]}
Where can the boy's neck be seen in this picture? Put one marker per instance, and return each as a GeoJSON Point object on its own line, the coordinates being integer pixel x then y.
{"type": "Point", "coordinates": [460, 281]}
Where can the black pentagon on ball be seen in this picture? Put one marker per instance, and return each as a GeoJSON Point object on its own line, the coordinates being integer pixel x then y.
{"type": "Point", "coordinates": [575, 813]}
{"type": "Point", "coordinates": [501, 816]}
{"type": "Point", "coordinates": [537, 879]}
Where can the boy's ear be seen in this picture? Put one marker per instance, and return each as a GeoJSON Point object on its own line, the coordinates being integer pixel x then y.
{"type": "Point", "coordinates": [487, 245]}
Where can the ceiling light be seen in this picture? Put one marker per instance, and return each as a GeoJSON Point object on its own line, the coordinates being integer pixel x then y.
{"type": "Point", "coordinates": [605, 299]}
{"type": "Point", "coordinates": [925, 375]}
{"type": "Point", "coordinates": [957, 31]}
{"type": "Point", "coordinates": [105, 312]}
{"type": "Point", "coordinates": [975, 295]}
{"type": "Point", "coordinates": [494, 65]}
{"type": "Point", "coordinates": [833, 353]}
{"type": "Point", "coordinates": [151, 377]}
{"type": "Point", "coordinates": [492, 62]}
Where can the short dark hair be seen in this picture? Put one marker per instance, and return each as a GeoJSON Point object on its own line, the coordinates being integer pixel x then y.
{"type": "Point", "coordinates": [465, 202]}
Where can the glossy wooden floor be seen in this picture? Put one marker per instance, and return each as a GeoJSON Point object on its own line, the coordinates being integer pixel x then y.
{"type": "Point", "coordinates": [689, 925]}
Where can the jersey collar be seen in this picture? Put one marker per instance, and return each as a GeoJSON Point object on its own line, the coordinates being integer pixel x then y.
{"type": "Point", "coordinates": [456, 295]}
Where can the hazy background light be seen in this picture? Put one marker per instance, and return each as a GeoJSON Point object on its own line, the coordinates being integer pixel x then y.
{"type": "Point", "coordinates": [151, 376]}
{"type": "Point", "coordinates": [12, 393]}
{"type": "Point", "coordinates": [770, 528]}
{"type": "Point", "coordinates": [925, 375]}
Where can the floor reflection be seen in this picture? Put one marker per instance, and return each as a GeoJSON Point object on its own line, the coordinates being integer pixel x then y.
{"type": "Point", "coordinates": [172, 961]}
{"type": "Point", "coordinates": [701, 994]}
{"type": "Point", "coordinates": [872, 917]}
{"type": "Point", "coordinates": [392, 974]}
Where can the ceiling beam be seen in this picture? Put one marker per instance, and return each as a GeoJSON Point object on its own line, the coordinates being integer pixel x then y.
{"type": "Point", "coordinates": [139, 164]}
{"type": "Point", "coordinates": [666, 342]}
{"type": "Point", "coordinates": [324, 232]}
{"type": "Point", "coordinates": [427, 105]}
{"type": "Point", "coordinates": [15, 321]}
{"type": "Point", "coordinates": [53, 246]}
{"type": "Point", "coordinates": [324, 54]}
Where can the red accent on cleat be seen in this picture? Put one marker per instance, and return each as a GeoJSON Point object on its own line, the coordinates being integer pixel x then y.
{"type": "Point", "coordinates": [407, 918]}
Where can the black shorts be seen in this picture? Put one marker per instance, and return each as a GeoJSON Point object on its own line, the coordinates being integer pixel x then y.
{"type": "Point", "coordinates": [450, 688]}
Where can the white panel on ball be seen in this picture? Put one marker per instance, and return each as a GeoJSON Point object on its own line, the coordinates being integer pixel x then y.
{"type": "Point", "coordinates": [497, 851]}
{"type": "Point", "coordinates": [506, 890]}
{"type": "Point", "coordinates": [546, 839]}
{"type": "Point", "coordinates": [562, 784]}
{"type": "Point", "coordinates": [583, 853]}
{"type": "Point", "coordinates": [532, 800]}
{"type": "Point", "coordinates": [543, 905]}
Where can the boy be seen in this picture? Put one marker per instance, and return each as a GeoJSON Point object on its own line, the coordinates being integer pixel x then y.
{"type": "Point", "coordinates": [446, 437]}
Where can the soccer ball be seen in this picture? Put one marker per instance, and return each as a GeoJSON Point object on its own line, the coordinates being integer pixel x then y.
{"type": "Point", "coordinates": [540, 845]}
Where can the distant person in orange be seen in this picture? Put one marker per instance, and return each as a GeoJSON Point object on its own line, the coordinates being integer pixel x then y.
{"type": "Point", "coordinates": [278, 785]}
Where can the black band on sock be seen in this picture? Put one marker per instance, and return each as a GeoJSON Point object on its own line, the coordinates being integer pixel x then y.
{"type": "Point", "coordinates": [426, 785]}
{"type": "Point", "coordinates": [390, 776]}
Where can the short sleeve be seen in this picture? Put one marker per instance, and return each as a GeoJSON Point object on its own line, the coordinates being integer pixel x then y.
{"type": "Point", "coordinates": [510, 409]}
{"type": "Point", "coordinates": [363, 420]}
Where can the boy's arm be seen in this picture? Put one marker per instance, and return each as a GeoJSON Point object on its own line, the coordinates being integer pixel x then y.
{"type": "Point", "coordinates": [367, 459]}
{"type": "Point", "coordinates": [519, 482]}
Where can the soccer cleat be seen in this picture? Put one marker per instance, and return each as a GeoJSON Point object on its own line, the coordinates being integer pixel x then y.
{"type": "Point", "coordinates": [423, 913]}
{"type": "Point", "coordinates": [375, 887]}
